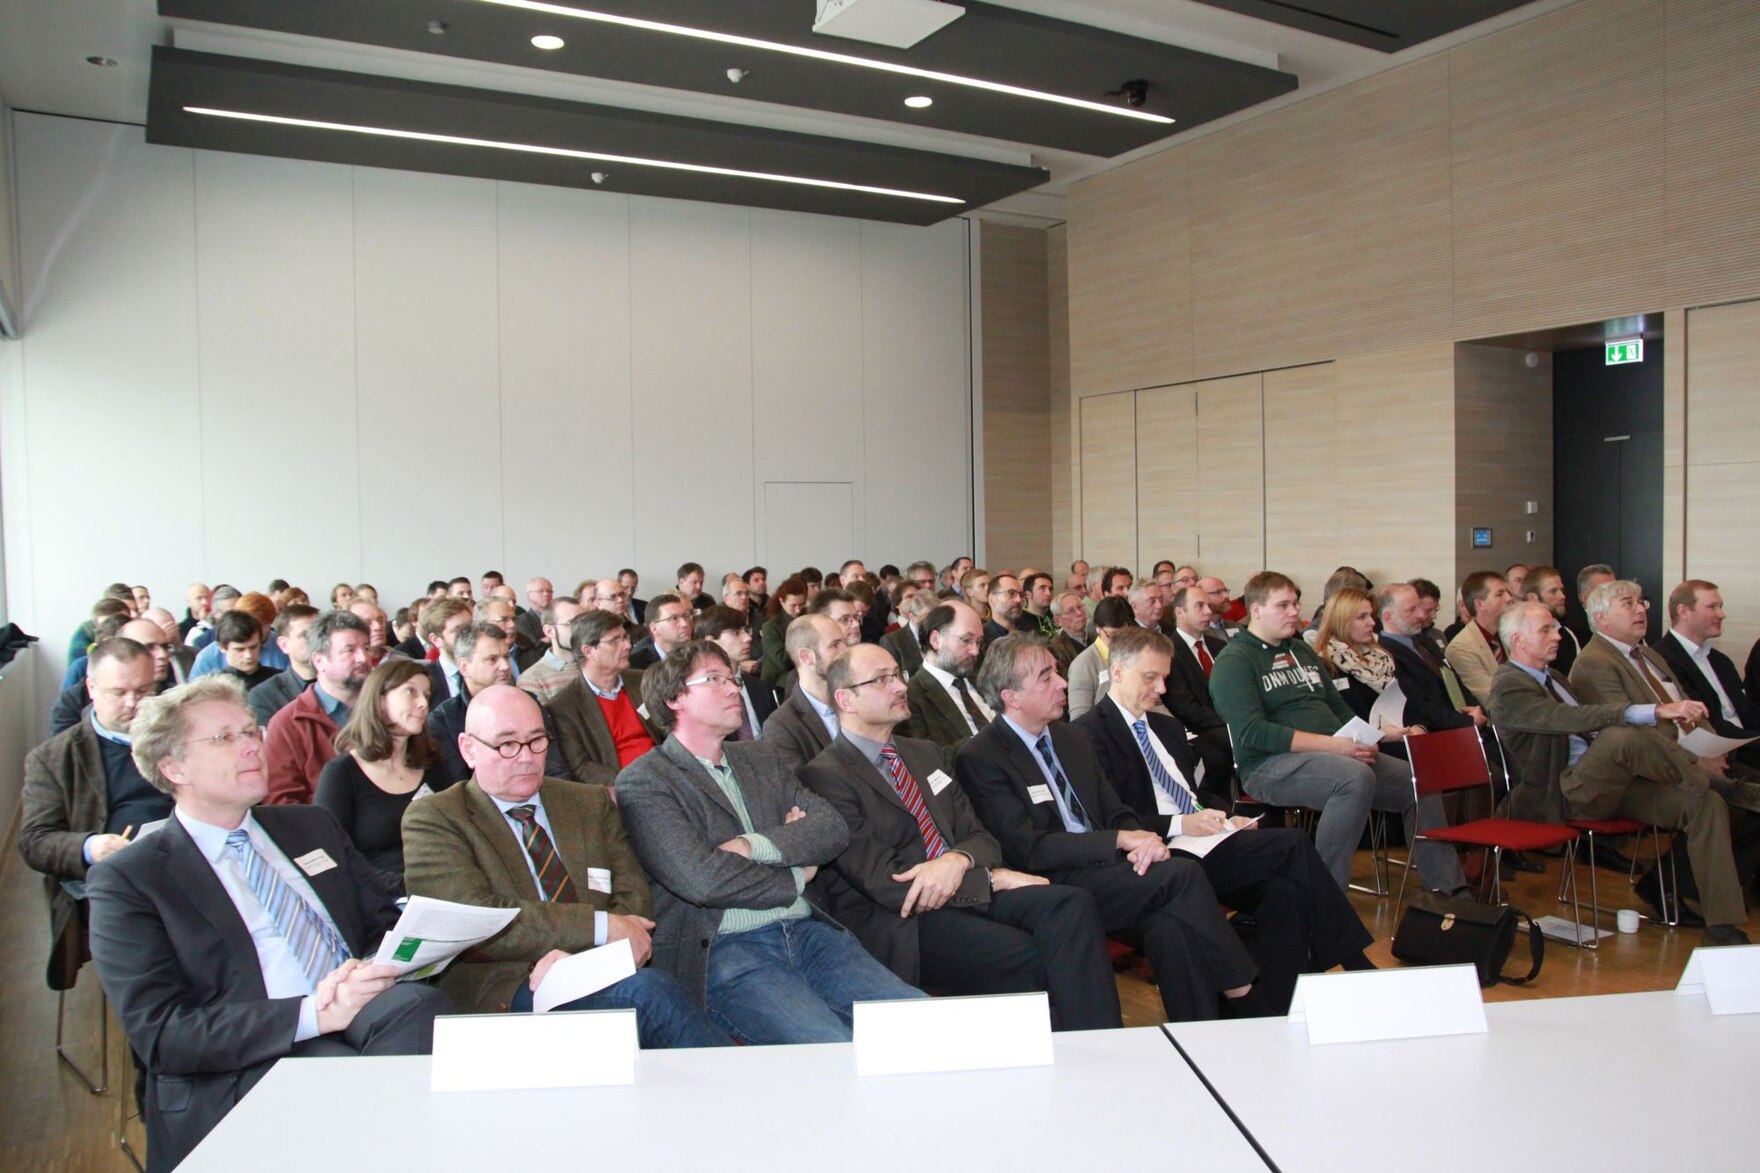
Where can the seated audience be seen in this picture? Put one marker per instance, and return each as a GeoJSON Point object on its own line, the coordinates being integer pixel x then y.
{"type": "Point", "coordinates": [302, 736]}
{"type": "Point", "coordinates": [1705, 674]}
{"type": "Point", "coordinates": [482, 652]}
{"type": "Point", "coordinates": [944, 707]}
{"type": "Point", "coordinates": [1427, 682]}
{"type": "Point", "coordinates": [1088, 679]}
{"type": "Point", "coordinates": [727, 627]}
{"type": "Point", "coordinates": [1069, 629]}
{"type": "Point", "coordinates": [1474, 653]}
{"type": "Point", "coordinates": [213, 659]}
{"type": "Point", "coordinates": [440, 624]}
{"type": "Point", "coordinates": [220, 954]}
{"type": "Point", "coordinates": [239, 637]}
{"type": "Point", "coordinates": [280, 690]}
{"type": "Point", "coordinates": [600, 723]}
{"type": "Point", "coordinates": [1195, 648]}
{"type": "Point", "coordinates": [670, 623]}
{"type": "Point", "coordinates": [540, 594]}
{"type": "Point", "coordinates": [558, 667]}
{"type": "Point", "coordinates": [1359, 668]}
{"type": "Point", "coordinates": [378, 629]}
{"type": "Point", "coordinates": [731, 839]}
{"type": "Point", "coordinates": [806, 722]}
{"type": "Point", "coordinates": [787, 605]}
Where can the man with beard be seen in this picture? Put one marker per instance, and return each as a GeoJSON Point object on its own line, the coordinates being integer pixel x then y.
{"type": "Point", "coordinates": [945, 708]}
{"type": "Point", "coordinates": [301, 737]}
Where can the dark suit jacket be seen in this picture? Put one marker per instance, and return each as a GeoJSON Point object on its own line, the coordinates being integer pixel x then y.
{"type": "Point", "coordinates": [275, 694]}
{"type": "Point", "coordinates": [1535, 729]}
{"type": "Point", "coordinates": [1751, 674]}
{"type": "Point", "coordinates": [1696, 687]}
{"type": "Point", "coordinates": [905, 649]}
{"type": "Point", "coordinates": [1122, 764]}
{"type": "Point", "coordinates": [439, 691]}
{"type": "Point", "coordinates": [795, 731]}
{"type": "Point", "coordinates": [645, 654]}
{"type": "Point", "coordinates": [763, 696]}
{"type": "Point", "coordinates": [1188, 689]}
{"type": "Point", "coordinates": [935, 716]}
{"type": "Point", "coordinates": [1427, 702]}
{"type": "Point", "coordinates": [996, 770]}
{"type": "Point", "coordinates": [447, 722]}
{"type": "Point", "coordinates": [1064, 650]}
{"type": "Point", "coordinates": [179, 967]}
{"type": "Point", "coordinates": [458, 846]}
{"type": "Point", "coordinates": [678, 817]}
{"type": "Point", "coordinates": [584, 736]}
{"type": "Point", "coordinates": [65, 799]}
{"type": "Point", "coordinates": [884, 840]}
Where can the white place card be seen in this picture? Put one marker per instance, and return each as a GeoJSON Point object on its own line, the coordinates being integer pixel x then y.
{"type": "Point", "coordinates": [1363, 1006]}
{"type": "Point", "coordinates": [511, 1052]}
{"type": "Point", "coordinates": [1729, 977]}
{"type": "Point", "coordinates": [952, 1034]}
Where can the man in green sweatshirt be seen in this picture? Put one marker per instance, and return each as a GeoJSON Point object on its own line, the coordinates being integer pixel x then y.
{"type": "Point", "coordinates": [1282, 709]}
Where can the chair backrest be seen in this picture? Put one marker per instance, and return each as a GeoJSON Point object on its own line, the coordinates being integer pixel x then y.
{"type": "Point", "coordinates": [1449, 759]}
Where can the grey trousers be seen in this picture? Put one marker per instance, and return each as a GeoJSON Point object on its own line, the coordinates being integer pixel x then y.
{"type": "Point", "coordinates": [1344, 790]}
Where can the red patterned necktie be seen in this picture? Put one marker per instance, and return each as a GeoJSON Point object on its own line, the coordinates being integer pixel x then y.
{"type": "Point", "coordinates": [911, 795]}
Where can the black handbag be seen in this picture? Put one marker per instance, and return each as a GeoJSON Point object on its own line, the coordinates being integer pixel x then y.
{"type": "Point", "coordinates": [1450, 930]}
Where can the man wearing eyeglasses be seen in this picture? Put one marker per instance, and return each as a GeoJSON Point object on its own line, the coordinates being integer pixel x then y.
{"type": "Point", "coordinates": [1069, 637]}
{"type": "Point", "coordinates": [670, 621]}
{"type": "Point", "coordinates": [599, 718]}
{"type": "Point", "coordinates": [921, 883]}
{"type": "Point", "coordinates": [731, 840]}
{"type": "Point", "coordinates": [945, 708]}
{"type": "Point", "coordinates": [234, 936]}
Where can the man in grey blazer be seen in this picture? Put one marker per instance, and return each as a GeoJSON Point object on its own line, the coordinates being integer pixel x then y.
{"type": "Point", "coordinates": [731, 839]}
{"type": "Point", "coordinates": [598, 715]}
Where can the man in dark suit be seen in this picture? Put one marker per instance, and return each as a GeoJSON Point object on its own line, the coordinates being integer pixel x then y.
{"type": "Point", "coordinates": [1302, 919]}
{"type": "Point", "coordinates": [441, 622]}
{"type": "Point", "coordinates": [83, 795]}
{"type": "Point", "coordinates": [671, 621]}
{"type": "Point", "coordinates": [540, 592]}
{"type": "Point", "coordinates": [1596, 761]}
{"type": "Point", "coordinates": [511, 837]}
{"type": "Point", "coordinates": [279, 691]}
{"type": "Point", "coordinates": [729, 627]}
{"type": "Point", "coordinates": [921, 883]}
{"type": "Point", "coordinates": [806, 722]}
{"type": "Point", "coordinates": [731, 839]}
{"type": "Point", "coordinates": [230, 938]}
{"type": "Point", "coordinates": [631, 582]}
{"type": "Point", "coordinates": [599, 715]}
{"type": "Point", "coordinates": [1705, 674]}
{"type": "Point", "coordinates": [481, 652]}
{"type": "Point", "coordinates": [1421, 672]}
{"type": "Point", "coordinates": [945, 708]}
{"type": "Point", "coordinates": [904, 645]}
{"type": "Point", "coordinates": [1037, 786]}
{"type": "Point", "coordinates": [1195, 648]}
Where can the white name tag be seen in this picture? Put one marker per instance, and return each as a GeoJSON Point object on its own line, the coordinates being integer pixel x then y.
{"type": "Point", "coordinates": [1040, 793]}
{"type": "Point", "coordinates": [599, 879]}
{"type": "Point", "coordinates": [315, 862]}
{"type": "Point", "coordinates": [1729, 978]}
{"type": "Point", "coordinates": [952, 1034]}
{"type": "Point", "coordinates": [1371, 1005]}
{"type": "Point", "coordinates": [1341, 683]}
{"type": "Point", "coordinates": [939, 781]}
{"type": "Point", "coordinates": [504, 1052]}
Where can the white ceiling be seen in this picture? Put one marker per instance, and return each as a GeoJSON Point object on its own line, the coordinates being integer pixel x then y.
{"type": "Point", "coordinates": [44, 43]}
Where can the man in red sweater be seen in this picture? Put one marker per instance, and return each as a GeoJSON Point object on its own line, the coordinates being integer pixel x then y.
{"type": "Point", "coordinates": [598, 716]}
{"type": "Point", "coordinates": [301, 736]}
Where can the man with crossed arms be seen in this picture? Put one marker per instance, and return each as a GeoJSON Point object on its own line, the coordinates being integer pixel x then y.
{"type": "Point", "coordinates": [921, 883]}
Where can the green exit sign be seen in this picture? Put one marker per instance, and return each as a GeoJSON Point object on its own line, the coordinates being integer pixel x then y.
{"type": "Point", "coordinates": [1631, 350]}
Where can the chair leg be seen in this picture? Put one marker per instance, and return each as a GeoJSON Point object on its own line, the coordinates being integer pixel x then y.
{"type": "Point", "coordinates": [124, 1096]}
{"type": "Point", "coordinates": [1377, 857]}
{"type": "Point", "coordinates": [96, 1086]}
{"type": "Point", "coordinates": [1403, 877]}
{"type": "Point", "coordinates": [1594, 941]}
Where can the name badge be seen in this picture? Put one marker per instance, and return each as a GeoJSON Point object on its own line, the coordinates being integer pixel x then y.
{"type": "Point", "coordinates": [1040, 793]}
{"type": "Point", "coordinates": [939, 781]}
{"type": "Point", "coordinates": [315, 863]}
{"type": "Point", "coordinates": [599, 880]}
{"type": "Point", "coordinates": [1341, 683]}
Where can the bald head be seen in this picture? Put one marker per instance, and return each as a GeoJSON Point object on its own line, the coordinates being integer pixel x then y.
{"type": "Point", "coordinates": [499, 707]}
{"type": "Point", "coordinates": [609, 594]}
{"type": "Point", "coordinates": [152, 637]}
{"type": "Point", "coordinates": [166, 621]}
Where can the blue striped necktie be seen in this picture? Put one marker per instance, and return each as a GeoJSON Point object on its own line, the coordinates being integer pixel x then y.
{"type": "Point", "coordinates": [1065, 791]}
{"type": "Point", "coordinates": [1182, 798]}
{"type": "Point", "coordinates": [314, 942]}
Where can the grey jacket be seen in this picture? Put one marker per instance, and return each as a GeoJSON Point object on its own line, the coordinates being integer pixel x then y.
{"type": "Point", "coordinates": [677, 817]}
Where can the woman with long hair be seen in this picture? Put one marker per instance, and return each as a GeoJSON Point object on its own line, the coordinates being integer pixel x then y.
{"type": "Point", "coordinates": [1345, 640]}
{"type": "Point", "coordinates": [787, 602]}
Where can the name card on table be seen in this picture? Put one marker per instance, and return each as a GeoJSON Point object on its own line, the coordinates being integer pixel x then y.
{"type": "Point", "coordinates": [512, 1052]}
{"type": "Point", "coordinates": [1363, 1006]}
{"type": "Point", "coordinates": [952, 1034]}
{"type": "Point", "coordinates": [1729, 977]}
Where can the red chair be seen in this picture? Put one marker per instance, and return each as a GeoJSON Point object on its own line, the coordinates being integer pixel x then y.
{"type": "Point", "coordinates": [1454, 759]}
{"type": "Point", "coordinates": [1617, 826]}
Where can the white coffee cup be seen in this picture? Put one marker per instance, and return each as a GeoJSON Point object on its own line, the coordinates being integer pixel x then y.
{"type": "Point", "coordinates": [1627, 919]}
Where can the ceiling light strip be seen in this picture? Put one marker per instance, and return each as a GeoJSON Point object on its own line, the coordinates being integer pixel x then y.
{"type": "Point", "coordinates": [824, 55]}
{"type": "Point", "coordinates": [566, 153]}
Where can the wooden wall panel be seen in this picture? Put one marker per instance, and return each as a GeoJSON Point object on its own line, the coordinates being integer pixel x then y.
{"type": "Point", "coordinates": [1017, 396]}
{"type": "Point", "coordinates": [1502, 454]}
{"type": "Point", "coordinates": [1167, 475]}
{"type": "Point", "coordinates": [1713, 138]}
{"type": "Point", "coordinates": [1231, 477]}
{"type": "Point", "coordinates": [1130, 278]}
{"type": "Point", "coordinates": [1723, 464]}
{"type": "Point", "coordinates": [1301, 471]}
{"type": "Point", "coordinates": [1558, 170]}
{"type": "Point", "coordinates": [1395, 452]}
{"type": "Point", "coordinates": [1674, 446]}
{"type": "Point", "coordinates": [1109, 479]}
{"type": "Point", "coordinates": [1342, 201]}
{"type": "Point", "coordinates": [1063, 455]}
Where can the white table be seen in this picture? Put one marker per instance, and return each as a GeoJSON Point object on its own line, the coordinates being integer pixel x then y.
{"type": "Point", "coordinates": [1623, 1081]}
{"type": "Point", "coordinates": [759, 1108]}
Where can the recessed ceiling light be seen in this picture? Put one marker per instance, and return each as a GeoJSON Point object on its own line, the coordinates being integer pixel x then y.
{"type": "Point", "coordinates": [546, 41]}
{"type": "Point", "coordinates": [101, 61]}
{"type": "Point", "coordinates": [568, 153]}
{"type": "Point", "coordinates": [919, 102]}
{"type": "Point", "coordinates": [824, 55]}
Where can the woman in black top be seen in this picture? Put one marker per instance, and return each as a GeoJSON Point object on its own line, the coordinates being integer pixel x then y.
{"type": "Point", "coordinates": [384, 761]}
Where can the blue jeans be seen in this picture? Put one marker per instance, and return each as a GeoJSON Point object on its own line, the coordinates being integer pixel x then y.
{"type": "Point", "coordinates": [794, 981]}
{"type": "Point", "coordinates": [665, 1014]}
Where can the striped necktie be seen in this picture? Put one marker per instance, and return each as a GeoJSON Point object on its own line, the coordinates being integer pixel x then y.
{"type": "Point", "coordinates": [554, 883]}
{"type": "Point", "coordinates": [1182, 798]}
{"type": "Point", "coordinates": [1077, 814]}
{"type": "Point", "coordinates": [911, 795]}
{"type": "Point", "coordinates": [314, 942]}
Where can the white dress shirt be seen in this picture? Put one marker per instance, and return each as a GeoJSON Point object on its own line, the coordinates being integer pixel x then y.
{"type": "Point", "coordinates": [945, 679]}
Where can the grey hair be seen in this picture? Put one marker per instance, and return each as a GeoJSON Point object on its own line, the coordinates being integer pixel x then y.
{"type": "Point", "coordinates": [464, 644]}
{"type": "Point", "coordinates": [1515, 617]}
{"type": "Point", "coordinates": [1600, 600]}
{"type": "Point", "coordinates": [161, 723]}
{"type": "Point", "coordinates": [325, 627]}
{"type": "Point", "coordinates": [1001, 667]}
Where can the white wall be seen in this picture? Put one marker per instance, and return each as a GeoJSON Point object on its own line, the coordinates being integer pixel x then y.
{"type": "Point", "coordinates": [236, 368]}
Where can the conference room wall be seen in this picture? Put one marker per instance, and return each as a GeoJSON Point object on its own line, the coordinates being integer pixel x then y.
{"type": "Point", "coordinates": [240, 367]}
{"type": "Point", "coordinates": [1722, 473]}
{"type": "Point", "coordinates": [1017, 396]}
{"type": "Point", "coordinates": [1063, 453]}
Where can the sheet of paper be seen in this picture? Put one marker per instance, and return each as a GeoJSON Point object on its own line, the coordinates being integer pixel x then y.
{"type": "Point", "coordinates": [1359, 731]}
{"type": "Point", "coordinates": [145, 829]}
{"type": "Point", "coordinates": [430, 933]}
{"type": "Point", "coordinates": [1389, 710]}
{"type": "Point", "coordinates": [1702, 742]}
{"type": "Point", "coordinates": [584, 973]}
{"type": "Point", "coordinates": [1198, 845]}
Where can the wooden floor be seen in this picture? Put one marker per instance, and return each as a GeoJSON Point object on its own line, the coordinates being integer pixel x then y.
{"type": "Point", "coordinates": [48, 1121]}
